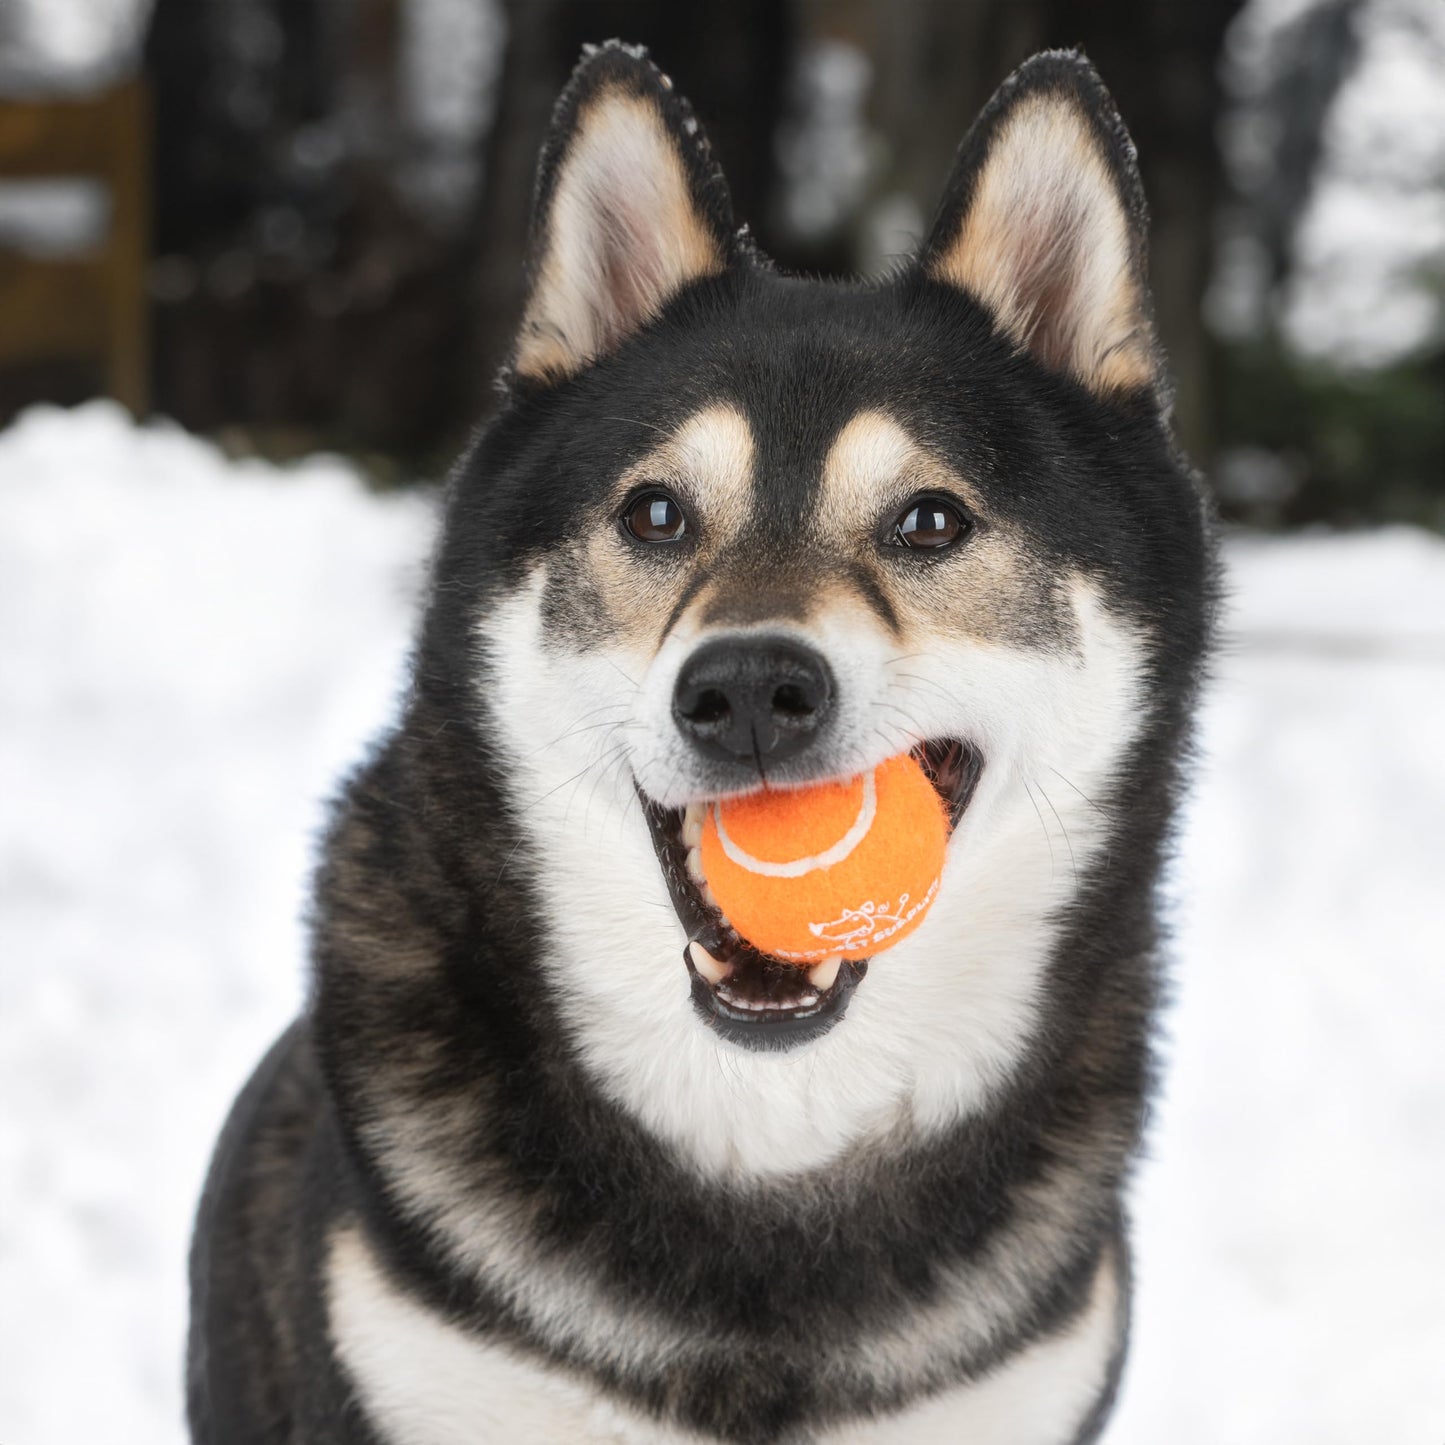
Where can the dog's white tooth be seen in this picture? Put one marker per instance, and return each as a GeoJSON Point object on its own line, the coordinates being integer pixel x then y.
{"type": "Point", "coordinates": [694, 867]}
{"type": "Point", "coordinates": [822, 975]}
{"type": "Point", "coordinates": [709, 967]}
{"type": "Point", "coordinates": [692, 824]}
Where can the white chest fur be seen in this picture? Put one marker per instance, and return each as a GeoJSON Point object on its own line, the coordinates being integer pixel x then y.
{"type": "Point", "coordinates": [423, 1381]}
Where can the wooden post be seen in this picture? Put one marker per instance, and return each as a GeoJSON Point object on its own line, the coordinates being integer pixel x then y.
{"type": "Point", "coordinates": [90, 306]}
{"type": "Point", "coordinates": [128, 361]}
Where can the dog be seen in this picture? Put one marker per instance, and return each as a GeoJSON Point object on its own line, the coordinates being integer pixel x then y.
{"type": "Point", "coordinates": [555, 1155]}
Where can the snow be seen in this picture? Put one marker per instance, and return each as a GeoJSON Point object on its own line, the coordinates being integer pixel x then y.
{"type": "Point", "coordinates": [1369, 245]}
{"type": "Point", "coordinates": [190, 652]}
{"type": "Point", "coordinates": [70, 45]}
{"type": "Point", "coordinates": [1290, 1241]}
{"type": "Point", "coordinates": [1366, 252]}
{"type": "Point", "coordinates": [193, 649]}
{"type": "Point", "coordinates": [53, 217]}
{"type": "Point", "coordinates": [449, 64]}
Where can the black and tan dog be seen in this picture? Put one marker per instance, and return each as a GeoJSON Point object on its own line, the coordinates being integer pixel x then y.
{"type": "Point", "coordinates": [553, 1155]}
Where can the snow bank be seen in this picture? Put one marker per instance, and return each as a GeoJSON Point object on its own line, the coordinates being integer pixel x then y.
{"type": "Point", "coordinates": [191, 650]}
{"type": "Point", "coordinates": [1291, 1227]}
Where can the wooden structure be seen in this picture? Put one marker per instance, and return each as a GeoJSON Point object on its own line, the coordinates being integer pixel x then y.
{"type": "Point", "coordinates": [89, 306]}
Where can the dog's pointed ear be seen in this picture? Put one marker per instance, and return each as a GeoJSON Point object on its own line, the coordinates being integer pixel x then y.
{"type": "Point", "coordinates": [630, 208]}
{"type": "Point", "coordinates": [1043, 221]}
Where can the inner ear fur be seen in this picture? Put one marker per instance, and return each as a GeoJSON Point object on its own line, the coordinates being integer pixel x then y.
{"type": "Point", "coordinates": [630, 208]}
{"type": "Point", "coordinates": [1043, 221]}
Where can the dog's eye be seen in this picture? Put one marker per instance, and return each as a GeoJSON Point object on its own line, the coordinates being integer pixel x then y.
{"type": "Point", "coordinates": [929, 523]}
{"type": "Point", "coordinates": [655, 517]}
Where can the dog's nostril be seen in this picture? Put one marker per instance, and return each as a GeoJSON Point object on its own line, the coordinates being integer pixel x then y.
{"type": "Point", "coordinates": [792, 704]}
{"type": "Point", "coordinates": [711, 707]}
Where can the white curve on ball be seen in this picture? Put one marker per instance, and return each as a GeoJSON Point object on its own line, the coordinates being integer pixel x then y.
{"type": "Point", "coordinates": [799, 866]}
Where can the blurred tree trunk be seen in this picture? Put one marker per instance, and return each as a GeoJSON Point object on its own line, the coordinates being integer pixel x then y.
{"type": "Point", "coordinates": [302, 296]}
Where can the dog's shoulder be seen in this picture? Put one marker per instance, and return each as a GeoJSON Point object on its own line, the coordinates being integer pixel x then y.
{"type": "Point", "coordinates": [255, 1301]}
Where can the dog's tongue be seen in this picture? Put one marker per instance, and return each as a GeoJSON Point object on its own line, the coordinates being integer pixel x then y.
{"type": "Point", "coordinates": [841, 868]}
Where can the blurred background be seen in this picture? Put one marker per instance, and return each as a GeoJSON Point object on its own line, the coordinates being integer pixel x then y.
{"type": "Point", "coordinates": [259, 260]}
{"type": "Point", "coordinates": [296, 223]}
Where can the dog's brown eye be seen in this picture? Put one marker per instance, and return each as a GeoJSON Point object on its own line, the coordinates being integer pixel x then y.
{"type": "Point", "coordinates": [928, 524]}
{"type": "Point", "coordinates": [655, 517]}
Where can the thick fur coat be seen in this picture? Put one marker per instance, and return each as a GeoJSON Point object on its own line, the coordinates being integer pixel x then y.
{"type": "Point", "coordinates": [520, 1173]}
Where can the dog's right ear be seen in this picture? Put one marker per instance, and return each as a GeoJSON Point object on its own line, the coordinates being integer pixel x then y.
{"type": "Point", "coordinates": [630, 208]}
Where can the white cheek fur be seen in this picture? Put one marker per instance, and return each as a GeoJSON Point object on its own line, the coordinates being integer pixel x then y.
{"type": "Point", "coordinates": [942, 1018]}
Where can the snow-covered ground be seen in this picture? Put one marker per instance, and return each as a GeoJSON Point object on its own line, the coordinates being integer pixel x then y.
{"type": "Point", "coordinates": [190, 652]}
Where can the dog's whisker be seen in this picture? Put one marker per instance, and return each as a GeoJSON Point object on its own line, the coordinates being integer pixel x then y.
{"type": "Point", "coordinates": [947, 694]}
{"type": "Point", "coordinates": [639, 421]}
{"type": "Point", "coordinates": [914, 733]}
{"type": "Point", "coordinates": [581, 728]}
{"type": "Point", "coordinates": [1097, 807]}
{"type": "Point", "coordinates": [507, 861]}
{"type": "Point", "coordinates": [1068, 842]}
{"type": "Point", "coordinates": [606, 779]}
{"type": "Point", "coordinates": [634, 683]}
{"type": "Point", "coordinates": [1048, 837]}
{"type": "Point", "coordinates": [540, 798]}
{"type": "Point", "coordinates": [577, 778]}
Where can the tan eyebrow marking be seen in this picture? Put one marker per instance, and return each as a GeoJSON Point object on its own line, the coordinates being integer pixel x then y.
{"type": "Point", "coordinates": [709, 460]}
{"type": "Point", "coordinates": [873, 462]}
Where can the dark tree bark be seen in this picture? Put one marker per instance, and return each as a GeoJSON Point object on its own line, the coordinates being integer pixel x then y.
{"type": "Point", "coordinates": [299, 297]}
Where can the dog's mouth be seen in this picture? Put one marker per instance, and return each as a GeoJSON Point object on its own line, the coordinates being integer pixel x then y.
{"type": "Point", "coordinates": [751, 997]}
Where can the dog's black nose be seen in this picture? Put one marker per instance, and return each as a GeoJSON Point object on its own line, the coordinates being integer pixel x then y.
{"type": "Point", "coordinates": [753, 699]}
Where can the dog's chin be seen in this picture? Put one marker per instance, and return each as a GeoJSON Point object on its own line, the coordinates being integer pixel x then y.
{"type": "Point", "coordinates": [749, 997]}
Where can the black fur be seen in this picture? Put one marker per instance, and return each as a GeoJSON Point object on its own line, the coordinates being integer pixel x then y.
{"type": "Point", "coordinates": [428, 998]}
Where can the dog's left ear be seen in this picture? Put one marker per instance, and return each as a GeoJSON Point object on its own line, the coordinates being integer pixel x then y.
{"type": "Point", "coordinates": [630, 208]}
{"type": "Point", "coordinates": [1043, 222]}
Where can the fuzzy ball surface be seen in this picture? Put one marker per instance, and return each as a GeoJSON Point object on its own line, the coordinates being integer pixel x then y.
{"type": "Point", "coordinates": [845, 868]}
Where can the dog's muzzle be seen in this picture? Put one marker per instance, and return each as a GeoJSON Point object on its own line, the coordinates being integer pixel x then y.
{"type": "Point", "coordinates": [750, 997]}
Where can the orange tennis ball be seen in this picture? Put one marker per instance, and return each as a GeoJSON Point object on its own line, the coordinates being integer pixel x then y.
{"type": "Point", "coordinates": [848, 867]}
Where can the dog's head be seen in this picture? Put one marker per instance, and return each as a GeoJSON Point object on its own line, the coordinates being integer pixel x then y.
{"type": "Point", "coordinates": [735, 529]}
